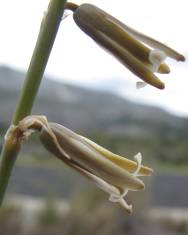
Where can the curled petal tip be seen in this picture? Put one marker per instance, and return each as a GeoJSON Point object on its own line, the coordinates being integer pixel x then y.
{"type": "Point", "coordinates": [181, 58]}
{"type": "Point", "coordinates": [161, 86]}
{"type": "Point", "coordinates": [148, 171]}
{"type": "Point", "coordinates": [128, 208]}
{"type": "Point", "coordinates": [138, 185]}
{"type": "Point", "coordinates": [153, 80]}
{"type": "Point", "coordinates": [145, 171]}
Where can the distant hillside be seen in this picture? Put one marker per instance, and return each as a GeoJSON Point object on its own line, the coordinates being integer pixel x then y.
{"type": "Point", "coordinates": [88, 110]}
{"type": "Point", "coordinates": [114, 122]}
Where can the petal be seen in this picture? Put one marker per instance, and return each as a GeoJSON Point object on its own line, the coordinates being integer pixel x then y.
{"type": "Point", "coordinates": [89, 16]}
{"type": "Point", "coordinates": [114, 192]}
{"type": "Point", "coordinates": [81, 153]}
{"type": "Point", "coordinates": [123, 162]}
{"type": "Point", "coordinates": [151, 42]}
{"type": "Point", "coordinates": [129, 60]}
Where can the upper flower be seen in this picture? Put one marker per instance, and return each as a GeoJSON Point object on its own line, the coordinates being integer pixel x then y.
{"type": "Point", "coordinates": [125, 43]}
{"type": "Point", "coordinates": [112, 173]}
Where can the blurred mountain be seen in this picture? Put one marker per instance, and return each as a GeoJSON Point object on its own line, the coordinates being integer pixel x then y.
{"type": "Point", "coordinates": [89, 110]}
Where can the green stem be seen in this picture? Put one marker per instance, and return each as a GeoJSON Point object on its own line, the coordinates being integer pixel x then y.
{"type": "Point", "coordinates": [49, 28]}
{"type": "Point", "coordinates": [8, 156]}
{"type": "Point", "coordinates": [45, 41]}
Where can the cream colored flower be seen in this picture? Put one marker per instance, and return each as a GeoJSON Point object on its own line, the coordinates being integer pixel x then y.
{"type": "Point", "coordinates": [112, 173]}
{"type": "Point", "coordinates": [125, 43]}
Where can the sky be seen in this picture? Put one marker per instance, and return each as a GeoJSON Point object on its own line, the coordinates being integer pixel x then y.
{"type": "Point", "coordinates": [75, 58]}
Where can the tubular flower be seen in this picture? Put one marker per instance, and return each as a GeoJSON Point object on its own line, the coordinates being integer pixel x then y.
{"type": "Point", "coordinates": [125, 43]}
{"type": "Point", "coordinates": [110, 172]}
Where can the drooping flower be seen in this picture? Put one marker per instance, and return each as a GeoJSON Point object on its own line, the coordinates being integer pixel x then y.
{"type": "Point", "coordinates": [125, 43]}
{"type": "Point", "coordinates": [112, 173]}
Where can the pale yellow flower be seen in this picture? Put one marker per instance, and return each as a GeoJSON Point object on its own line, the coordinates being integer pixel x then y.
{"type": "Point", "coordinates": [112, 173]}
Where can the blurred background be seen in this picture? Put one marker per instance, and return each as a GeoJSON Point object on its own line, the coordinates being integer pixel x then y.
{"type": "Point", "coordinates": [88, 91]}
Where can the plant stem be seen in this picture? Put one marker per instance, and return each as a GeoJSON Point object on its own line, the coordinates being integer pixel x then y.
{"type": "Point", "coordinates": [45, 41]}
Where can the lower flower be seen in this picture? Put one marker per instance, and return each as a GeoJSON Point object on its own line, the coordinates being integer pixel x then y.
{"type": "Point", "coordinates": [112, 173]}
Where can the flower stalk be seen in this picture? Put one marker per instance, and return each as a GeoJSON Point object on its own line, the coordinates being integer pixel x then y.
{"type": "Point", "coordinates": [45, 41]}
